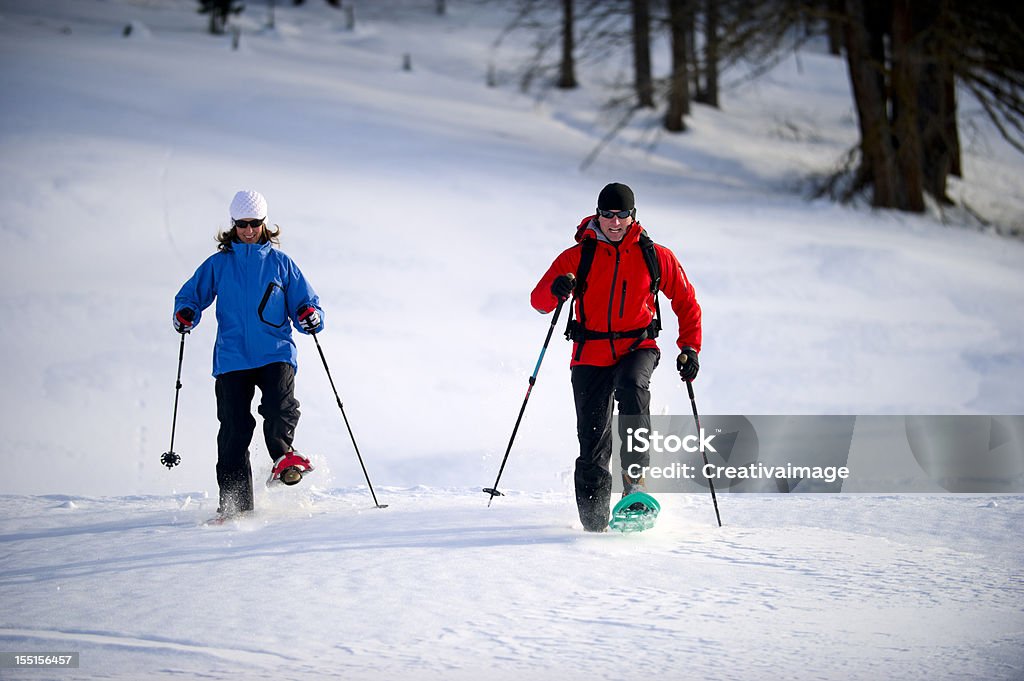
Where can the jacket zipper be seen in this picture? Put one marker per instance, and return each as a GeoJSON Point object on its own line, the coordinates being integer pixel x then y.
{"type": "Point", "coordinates": [622, 300]}
{"type": "Point", "coordinates": [245, 294]}
{"type": "Point", "coordinates": [611, 302]}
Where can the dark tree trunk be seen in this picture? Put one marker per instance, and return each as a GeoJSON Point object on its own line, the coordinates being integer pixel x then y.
{"type": "Point", "coordinates": [834, 21]}
{"type": "Point", "coordinates": [878, 158]}
{"type": "Point", "coordinates": [643, 82]}
{"type": "Point", "coordinates": [907, 57]}
{"type": "Point", "coordinates": [940, 143]}
{"type": "Point", "coordinates": [935, 122]}
{"type": "Point", "coordinates": [952, 133]}
{"type": "Point", "coordinates": [709, 95]}
{"type": "Point", "coordinates": [678, 92]}
{"type": "Point", "coordinates": [690, 22]}
{"type": "Point", "coordinates": [567, 67]}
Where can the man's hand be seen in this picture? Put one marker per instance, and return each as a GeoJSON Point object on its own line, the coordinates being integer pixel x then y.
{"type": "Point", "coordinates": [563, 285]}
{"type": "Point", "coordinates": [687, 364]}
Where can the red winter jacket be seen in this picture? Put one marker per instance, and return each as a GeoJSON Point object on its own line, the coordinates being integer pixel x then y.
{"type": "Point", "coordinates": [618, 294]}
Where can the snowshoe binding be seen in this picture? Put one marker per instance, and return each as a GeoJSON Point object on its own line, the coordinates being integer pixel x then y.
{"type": "Point", "coordinates": [289, 469]}
{"type": "Point", "coordinates": [635, 512]}
{"type": "Point", "coordinates": [631, 484]}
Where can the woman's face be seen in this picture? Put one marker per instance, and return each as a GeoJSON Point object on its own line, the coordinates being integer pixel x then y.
{"type": "Point", "coordinates": [249, 231]}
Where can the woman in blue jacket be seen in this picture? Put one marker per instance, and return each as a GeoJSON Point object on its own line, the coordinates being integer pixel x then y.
{"type": "Point", "coordinates": [260, 294]}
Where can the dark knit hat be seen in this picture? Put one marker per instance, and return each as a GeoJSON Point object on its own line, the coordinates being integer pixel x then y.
{"type": "Point", "coordinates": [616, 196]}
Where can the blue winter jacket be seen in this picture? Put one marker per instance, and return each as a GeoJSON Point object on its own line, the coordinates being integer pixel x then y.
{"type": "Point", "coordinates": [258, 290]}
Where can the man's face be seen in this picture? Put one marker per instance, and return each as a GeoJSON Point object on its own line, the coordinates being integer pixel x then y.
{"type": "Point", "coordinates": [614, 223]}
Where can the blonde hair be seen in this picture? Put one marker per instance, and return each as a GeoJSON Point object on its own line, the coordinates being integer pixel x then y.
{"type": "Point", "coordinates": [229, 237]}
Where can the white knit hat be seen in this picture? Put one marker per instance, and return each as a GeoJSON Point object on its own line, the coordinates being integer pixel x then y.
{"type": "Point", "coordinates": [248, 205]}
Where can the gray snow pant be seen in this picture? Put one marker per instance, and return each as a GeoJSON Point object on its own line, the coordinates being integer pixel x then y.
{"type": "Point", "coordinates": [594, 388]}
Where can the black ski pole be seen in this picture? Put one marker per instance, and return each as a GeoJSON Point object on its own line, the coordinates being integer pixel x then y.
{"type": "Point", "coordinates": [342, 408]}
{"type": "Point", "coordinates": [169, 458]}
{"type": "Point", "coordinates": [493, 491]}
{"type": "Point", "coordinates": [704, 454]}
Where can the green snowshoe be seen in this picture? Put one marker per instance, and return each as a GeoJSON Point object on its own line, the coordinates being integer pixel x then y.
{"type": "Point", "coordinates": [635, 512]}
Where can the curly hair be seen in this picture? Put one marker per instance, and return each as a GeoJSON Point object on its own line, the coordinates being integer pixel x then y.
{"type": "Point", "coordinates": [229, 237]}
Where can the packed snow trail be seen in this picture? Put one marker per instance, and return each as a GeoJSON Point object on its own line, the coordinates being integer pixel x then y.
{"type": "Point", "coordinates": [439, 586]}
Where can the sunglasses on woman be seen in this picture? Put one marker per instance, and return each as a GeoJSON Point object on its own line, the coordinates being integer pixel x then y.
{"type": "Point", "coordinates": [248, 224]}
{"type": "Point", "coordinates": [621, 214]}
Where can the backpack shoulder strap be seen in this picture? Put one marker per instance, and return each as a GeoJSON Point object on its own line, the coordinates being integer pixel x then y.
{"type": "Point", "coordinates": [587, 250]}
{"type": "Point", "coordinates": [574, 327]}
{"type": "Point", "coordinates": [654, 267]}
{"type": "Point", "coordinates": [651, 258]}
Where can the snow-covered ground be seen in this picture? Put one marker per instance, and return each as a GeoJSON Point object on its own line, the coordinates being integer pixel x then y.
{"type": "Point", "coordinates": [424, 206]}
{"type": "Point", "coordinates": [439, 586]}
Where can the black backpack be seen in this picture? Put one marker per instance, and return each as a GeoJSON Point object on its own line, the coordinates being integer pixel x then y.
{"type": "Point", "coordinates": [575, 330]}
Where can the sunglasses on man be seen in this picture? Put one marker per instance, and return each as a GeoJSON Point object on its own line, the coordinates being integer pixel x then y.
{"type": "Point", "coordinates": [621, 214]}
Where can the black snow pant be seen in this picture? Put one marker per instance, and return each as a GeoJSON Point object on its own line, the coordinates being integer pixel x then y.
{"type": "Point", "coordinates": [280, 412]}
{"type": "Point", "coordinates": [594, 388]}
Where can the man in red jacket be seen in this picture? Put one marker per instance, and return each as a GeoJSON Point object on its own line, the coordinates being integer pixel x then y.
{"type": "Point", "coordinates": [614, 349]}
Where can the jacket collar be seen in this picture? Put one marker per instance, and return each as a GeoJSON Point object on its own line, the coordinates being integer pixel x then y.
{"type": "Point", "coordinates": [245, 249]}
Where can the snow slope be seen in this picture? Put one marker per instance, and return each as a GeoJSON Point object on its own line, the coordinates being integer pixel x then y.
{"type": "Point", "coordinates": [423, 206]}
{"type": "Point", "coordinates": [439, 586]}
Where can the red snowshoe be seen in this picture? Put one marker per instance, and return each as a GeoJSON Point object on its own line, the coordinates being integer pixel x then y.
{"type": "Point", "coordinates": [290, 468]}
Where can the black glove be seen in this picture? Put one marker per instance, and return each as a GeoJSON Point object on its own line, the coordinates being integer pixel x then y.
{"type": "Point", "coordinates": [183, 319]}
{"type": "Point", "coordinates": [687, 364]}
{"type": "Point", "coordinates": [309, 318]}
{"type": "Point", "coordinates": [563, 285]}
